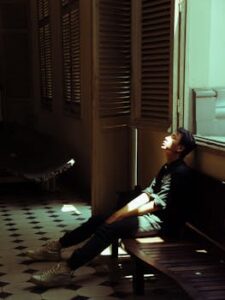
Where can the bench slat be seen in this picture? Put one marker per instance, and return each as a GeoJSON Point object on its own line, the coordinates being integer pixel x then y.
{"type": "Point", "coordinates": [191, 264]}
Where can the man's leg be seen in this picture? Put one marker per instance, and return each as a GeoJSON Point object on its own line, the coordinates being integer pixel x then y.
{"type": "Point", "coordinates": [107, 233]}
{"type": "Point", "coordinates": [83, 232]}
{"type": "Point", "coordinates": [51, 250]}
{"type": "Point", "coordinates": [102, 238]}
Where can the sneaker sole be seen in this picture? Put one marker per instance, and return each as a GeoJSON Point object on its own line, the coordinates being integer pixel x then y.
{"type": "Point", "coordinates": [39, 258]}
{"type": "Point", "coordinates": [49, 284]}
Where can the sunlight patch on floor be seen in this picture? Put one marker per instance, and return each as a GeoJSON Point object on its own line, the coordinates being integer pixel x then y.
{"type": "Point", "coordinates": [70, 208]}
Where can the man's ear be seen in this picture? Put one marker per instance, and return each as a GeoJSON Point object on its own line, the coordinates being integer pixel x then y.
{"type": "Point", "coordinates": [180, 148]}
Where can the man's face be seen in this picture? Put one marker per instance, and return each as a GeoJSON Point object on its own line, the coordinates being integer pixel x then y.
{"type": "Point", "coordinates": [172, 142]}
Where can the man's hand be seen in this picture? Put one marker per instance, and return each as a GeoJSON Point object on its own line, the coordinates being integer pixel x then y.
{"type": "Point", "coordinates": [114, 217]}
{"type": "Point", "coordinates": [131, 209]}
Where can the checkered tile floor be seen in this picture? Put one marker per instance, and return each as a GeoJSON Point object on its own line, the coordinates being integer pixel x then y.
{"type": "Point", "coordinates": [29, 219]}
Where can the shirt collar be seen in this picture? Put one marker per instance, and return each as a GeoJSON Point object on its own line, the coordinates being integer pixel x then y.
{"type": "Point", "coordinates": [173, 164]}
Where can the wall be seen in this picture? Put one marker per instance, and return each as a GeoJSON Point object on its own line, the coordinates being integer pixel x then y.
{"type": "Point", "coordinates": [205, 43]}
{"type": "Point", "coordinates": [204, 68]}
{"type": "Point", "coordinates": [15, 64]}
{"type": "Point", "coordinates": [217, 44]}
{"type": "Point", "coordinates": [211, 162]}
{"type": "Point", "coordinates": [198, 42]}
{"type": "Point", "coordinates": [110, 166]}
{"type": "Point", "coordinates": [150, 155]}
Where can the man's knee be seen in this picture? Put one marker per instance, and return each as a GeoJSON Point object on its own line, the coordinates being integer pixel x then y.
{"type": "Point", "coordinates": [97, 219]}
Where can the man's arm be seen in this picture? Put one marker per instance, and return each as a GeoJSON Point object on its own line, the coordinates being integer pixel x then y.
{"type": "Point", "coordinates": [136, 207]}
{"type": "Point", "coordinates": [147, 202]}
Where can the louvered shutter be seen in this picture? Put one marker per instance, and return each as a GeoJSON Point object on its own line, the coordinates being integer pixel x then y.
{"type": "Point", "coordinates": [71, 56]}
{"type": "Point", "coordinates": [45, 47]}
{"type": "Point", "coordinates": [114, 58]}
{"type": "Point", "coordinates": [156, 60]}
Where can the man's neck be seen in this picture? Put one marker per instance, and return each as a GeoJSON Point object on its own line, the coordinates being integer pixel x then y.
{"type": "Point", "coordinates": [171, 156]}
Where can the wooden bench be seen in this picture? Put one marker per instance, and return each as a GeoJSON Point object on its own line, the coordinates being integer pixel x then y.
{"type": "Point", "coordinates": [196, 261]}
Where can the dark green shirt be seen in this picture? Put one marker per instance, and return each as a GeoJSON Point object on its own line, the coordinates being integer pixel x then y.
{"type": "Point", "coordinates": [171, 191]}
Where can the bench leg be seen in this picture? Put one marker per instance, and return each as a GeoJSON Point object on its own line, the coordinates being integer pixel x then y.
{"type": "Point", "coordinates": [114, 248]}
{"type": "Point", "coordinates": [138, 277]}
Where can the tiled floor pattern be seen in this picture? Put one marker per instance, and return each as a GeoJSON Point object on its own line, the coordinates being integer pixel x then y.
{"type": "Point", "coordinates": [29, 219]}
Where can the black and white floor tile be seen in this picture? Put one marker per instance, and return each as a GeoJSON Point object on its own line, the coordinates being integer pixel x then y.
{"type": "Point", "coordinates": [28, 220]}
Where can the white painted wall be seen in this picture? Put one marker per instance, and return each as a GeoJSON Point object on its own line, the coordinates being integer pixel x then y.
{"type": "Point", "coordinates": [205, 53]}
{"type": "Point", "coordinates": [217, 44]}
{"type": "Point", "coordinates": [198, 42]}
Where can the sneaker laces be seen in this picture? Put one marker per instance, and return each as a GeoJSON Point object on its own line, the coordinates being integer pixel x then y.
{"type": "Point", "coordinates": [57, 269]}
{"type": "Point", "coordinates": [52, 246]}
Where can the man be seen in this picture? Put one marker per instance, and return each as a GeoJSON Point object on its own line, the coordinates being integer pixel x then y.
{"type": "Point", "coordinates": [160, 208]}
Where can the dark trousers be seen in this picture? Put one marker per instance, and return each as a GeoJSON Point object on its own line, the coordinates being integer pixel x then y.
{"type": "Point", "coordinates": [100, 235]}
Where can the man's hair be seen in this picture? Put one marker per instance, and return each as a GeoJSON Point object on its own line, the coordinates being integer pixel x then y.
{"type": "Point", "coordinates": [187, 140]}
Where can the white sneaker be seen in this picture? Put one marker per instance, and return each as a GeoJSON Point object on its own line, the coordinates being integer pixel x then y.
{"type": "Point", "coordinates": [59, 275]}
{"type": "Point", "coordinates": [50, 252]}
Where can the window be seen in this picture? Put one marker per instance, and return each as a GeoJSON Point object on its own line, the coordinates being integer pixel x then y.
{"type": "Point", "coordinates": [45, 53]}
{"type": "Point", "coordinates": [210, 115]}
{"type": "Point", "coordinates": [71, 56]}
{"type": "Point", "coordinates": [205, 71]}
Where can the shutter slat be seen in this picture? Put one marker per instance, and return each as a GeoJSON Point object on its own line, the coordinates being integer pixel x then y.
{"type": "Point", "coordinates": [45, 54]}
{"type": "Point", "coordinates": [114, 58]}
{"type": "Point", "coordinates": [71, 55]}
{"type": "Point", "coordinates": [156, 53]}
{"type": "Point", "coordinates": [43, 9]}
